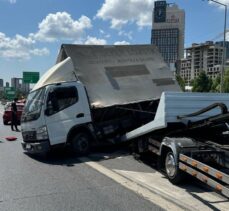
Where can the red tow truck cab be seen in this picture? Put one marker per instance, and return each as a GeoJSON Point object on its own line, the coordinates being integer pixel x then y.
{"type": "Point", "coordinates": [7, 116]}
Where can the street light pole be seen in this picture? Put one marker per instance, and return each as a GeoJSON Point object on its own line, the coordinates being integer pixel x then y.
{"type": "Point", "coordinates": [224, 53]}
{"type": "Point", "coordinates": [224, 40]}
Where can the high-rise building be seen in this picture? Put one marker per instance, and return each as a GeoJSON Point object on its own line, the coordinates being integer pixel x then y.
{"type": "Point", "coordinates": [168, 31]}
{"type": "Point", "coordinates": [205, 57]}
{"type": "Point", "coordinates": [1, 83]}
{"type": "Point", "coordinates": [220, 43]}
{"type": "Point", "coordinates": [15, 82]}
{"type": "Point", "coordinates": [7, 84]}
{"type": "Point", "coordinates": [25, 88]}
{"type": "Point", "coordinates": [18, 84]}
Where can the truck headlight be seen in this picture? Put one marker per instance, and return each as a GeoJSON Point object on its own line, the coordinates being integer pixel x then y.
{"type": "Point", "coordinates": [42, 133]}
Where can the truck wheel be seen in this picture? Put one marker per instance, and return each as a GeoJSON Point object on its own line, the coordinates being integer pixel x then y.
{"type": "Point", "coordinates": [174, 174]}
{"type": "Point", "coordinates": [81, 143]}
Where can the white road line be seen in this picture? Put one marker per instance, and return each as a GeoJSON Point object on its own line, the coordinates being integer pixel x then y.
{"type": "Point", "coordinates": [192, 198]}
{"type": "Point", "coordinates": [155, 198]}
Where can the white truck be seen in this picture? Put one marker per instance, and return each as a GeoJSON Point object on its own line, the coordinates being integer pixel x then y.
{"type": "Point", "coordinates": [97, 94]}
{"type": "Point", "coordinates": [94, 94]}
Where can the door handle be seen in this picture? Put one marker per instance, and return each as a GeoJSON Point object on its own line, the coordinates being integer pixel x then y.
{"type": "Point", "coordinates": [80, 115]}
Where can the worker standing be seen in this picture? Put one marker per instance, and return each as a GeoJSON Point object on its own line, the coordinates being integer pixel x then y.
{"type": "Point", "coordinates": [14, 115]}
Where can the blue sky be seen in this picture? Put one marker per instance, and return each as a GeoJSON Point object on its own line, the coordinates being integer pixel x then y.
{"type": "Point", "coordinates": [31, 31]}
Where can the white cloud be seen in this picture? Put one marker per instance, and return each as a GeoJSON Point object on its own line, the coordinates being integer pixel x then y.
{"type": "Point", "coordinates": [95, 41]}
{"type": "Point", "coordinates": [58, 26]}
{"type": "Point", "coordinates": [61, 26]}
{"type": "Point", "coordinates": [54, 27]}
{"type": "Point", "coordinates": [40, 52]}
{"type": "Point", "coordinates": [103, 33]}
{"type": "Point", "coordinates": [19, 47]}
{"type": "Point", "coordinates": [221, 1]}
{"type": "Point", "coordinates": [12, 1]}
{"type": "Point", "coordinates": [127, 34]}
{"type": "Point", "coordinates": [122, 43]}
{"type": "Point", "coordinates": [107, 35]}
{"type": "Point", "coordinates": [121, 12]}
{"type": "Point", "coordinates": [117, 24]}
{"type": "Point", "coordinates": [226, 2]}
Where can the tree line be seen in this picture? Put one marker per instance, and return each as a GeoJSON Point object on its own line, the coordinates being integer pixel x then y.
{"type": "Point", "coordinates": [203, 83]}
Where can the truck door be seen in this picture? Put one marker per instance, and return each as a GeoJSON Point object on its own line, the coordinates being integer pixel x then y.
{"type": "Point", "coordinates": [64, 109]}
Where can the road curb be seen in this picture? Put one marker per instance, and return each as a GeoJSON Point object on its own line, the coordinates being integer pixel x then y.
{"type": "Point", "coordinates": [167, 202]}
{"type": "Point", "coordinates": [167, 197]}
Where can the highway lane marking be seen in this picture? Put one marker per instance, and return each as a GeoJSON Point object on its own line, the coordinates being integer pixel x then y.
{"type": "Point", "coordinates": [149, 195]}
{"type": "Point", "coordinates": [192, 197]}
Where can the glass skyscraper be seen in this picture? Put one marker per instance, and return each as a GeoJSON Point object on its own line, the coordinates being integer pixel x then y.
{"type": "Point", "coordinates": [168, 31]}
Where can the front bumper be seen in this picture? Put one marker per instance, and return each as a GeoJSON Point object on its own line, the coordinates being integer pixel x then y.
{"type": "Point", "coordinates": [36, 147]}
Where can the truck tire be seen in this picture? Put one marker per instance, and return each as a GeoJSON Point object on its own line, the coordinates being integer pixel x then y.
{"type": "Point", "coordinates": [81, 143]}
{"type": "Point", "coordinates": [174, 174]}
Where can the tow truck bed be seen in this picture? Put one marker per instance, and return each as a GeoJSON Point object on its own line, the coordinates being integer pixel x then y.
{"type": "Point", "coordinates": [174, 104]}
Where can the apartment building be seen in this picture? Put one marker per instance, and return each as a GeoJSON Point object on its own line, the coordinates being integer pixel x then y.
{"type": "Point", "coordinates": [205, 57]}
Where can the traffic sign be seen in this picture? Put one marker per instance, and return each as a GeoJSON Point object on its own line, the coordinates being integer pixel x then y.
{"type": "Point", "coordinates": [31, 77]}
{"type": "Point", "coordinates": [10, 93]}
{"type": "Point", "coordinates": [9, 89]}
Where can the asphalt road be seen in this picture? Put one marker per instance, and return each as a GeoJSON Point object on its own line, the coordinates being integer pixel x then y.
{"type": "Point", "coordinates": [109, 179]}
{"type": "Point", "coordinates": [60, 182]}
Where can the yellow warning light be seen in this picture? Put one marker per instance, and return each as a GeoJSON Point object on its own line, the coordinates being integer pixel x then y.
{"type": "Point", "coordinates": [218, 175]}
{"type": "Point", "coordinates": [218, 187]}
{"type": "Point", "coordinates": [205, 169]}
{"type": "Point", "coordinates": [184, 168]}
{"type": "Point", "coordinates": [184, 159]}
{"type": "Point", "coordinates": [194, 173]}
{"type": "Point", "coordinates": [194, 163]}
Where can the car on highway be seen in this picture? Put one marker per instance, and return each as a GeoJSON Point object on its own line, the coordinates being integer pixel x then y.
{"type": "Point", "coordinates": [7, 115]}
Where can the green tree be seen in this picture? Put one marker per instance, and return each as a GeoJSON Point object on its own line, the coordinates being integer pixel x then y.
{"type": "Point", "coordinates": [2, 95]}
{"type": "Point", "coordinates": [216, 84]}
{"type": "Point", "coordinates": [202, 83]}
{"type": "Point", "coordinates": [181, 82]}
{"type": "Point", "coordinates": [19, 94]}
{"type": "Point", "coordinates": [226, 81]}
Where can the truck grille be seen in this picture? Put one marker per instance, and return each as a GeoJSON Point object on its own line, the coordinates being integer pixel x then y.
{"type": "Point", "coordinates": [29, 136]}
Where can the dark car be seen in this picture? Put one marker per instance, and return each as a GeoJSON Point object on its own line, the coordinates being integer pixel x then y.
{"type": "Point", "coordinates": [7, 116]}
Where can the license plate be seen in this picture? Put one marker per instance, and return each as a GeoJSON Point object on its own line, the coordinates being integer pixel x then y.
{"type": "Point", "coordinates": [28, 146]}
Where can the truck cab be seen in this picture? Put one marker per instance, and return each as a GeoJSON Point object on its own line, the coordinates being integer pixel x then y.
{"type": "Point", "coordinates": [50, 113]}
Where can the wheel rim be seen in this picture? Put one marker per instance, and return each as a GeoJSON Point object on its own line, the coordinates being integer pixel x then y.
{"type": "Point", "coordinates": [170, 165]}
{"type": "Point", "coordinates": [82, 144]}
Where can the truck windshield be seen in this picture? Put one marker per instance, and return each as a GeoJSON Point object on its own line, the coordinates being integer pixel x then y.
{"type": "Point", "coordinates": [33, 105]}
